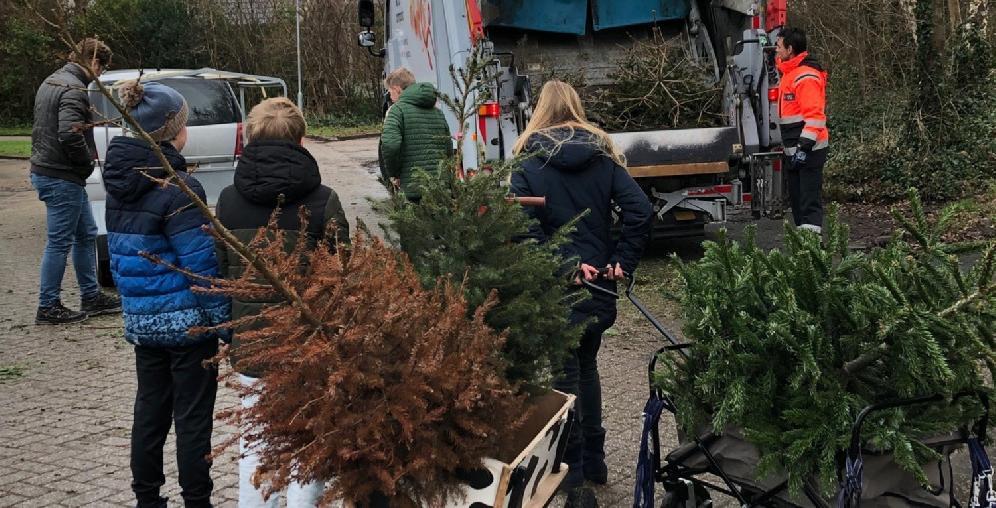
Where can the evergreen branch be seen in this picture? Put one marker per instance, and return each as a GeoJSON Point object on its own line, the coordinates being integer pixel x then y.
{"type": "Point", "coordinates": [986, 272]}
{"type": "Point", "coordinates": [866, 359]}
{"type": "Point", "coordinates": [979, 294]}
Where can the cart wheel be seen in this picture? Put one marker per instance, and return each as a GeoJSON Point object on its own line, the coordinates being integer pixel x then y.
{"type": "Point", "coordinates": [682, 495]}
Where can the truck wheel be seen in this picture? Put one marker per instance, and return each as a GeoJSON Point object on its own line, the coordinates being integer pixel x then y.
{"type": "Point", "coordinates": [104, 277]}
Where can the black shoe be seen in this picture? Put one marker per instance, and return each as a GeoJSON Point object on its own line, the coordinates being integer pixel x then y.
{"type": "Point", "coordinates": [58, 314]}
{"type": "Point", "coordinates": [103, 303]}
{"type": "Point", "coordinates": [597, 473]}
{"type": "Point", "coordinates": [581, 497]}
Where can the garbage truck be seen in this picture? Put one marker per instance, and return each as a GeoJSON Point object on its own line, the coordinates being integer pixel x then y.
{"type": "Point", "coordinates": [692, 176]}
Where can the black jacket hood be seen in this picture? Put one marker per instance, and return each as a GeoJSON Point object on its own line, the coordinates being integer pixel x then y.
{"type": "Point", "coordinates": [565, 149]}
{"type": "Point", "coordinates": [129, 160]}
{"type": "Point", "coordinates": [268, 169]}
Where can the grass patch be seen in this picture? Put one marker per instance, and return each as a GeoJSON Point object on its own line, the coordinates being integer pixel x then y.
{"type": "Point", "coordinates": [338, 131]}
{"type": "Point", "coordinates": [15, 148]}
{"type": "Point", "coordinates": [22, 130]}
{"type": "Point", "coordinates": [8, 372]}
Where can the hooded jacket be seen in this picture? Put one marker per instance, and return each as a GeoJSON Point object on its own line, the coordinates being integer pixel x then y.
{"type": "Point", "coordinates": [60, 147]}
{"type": "Point", "coordinates": [415, 137]}
{"type": "Point", "coordinates": [146, 218]}
{"type": "Point", "coordinates": [575, 174]}
{"type": "Point", "coordinates": [272, 173]}
{"type": "Point", "coordinates": [802, 103]}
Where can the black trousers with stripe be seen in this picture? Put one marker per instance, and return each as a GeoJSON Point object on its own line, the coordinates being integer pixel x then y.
{"type": "Point", "coordinates": [805, 186]}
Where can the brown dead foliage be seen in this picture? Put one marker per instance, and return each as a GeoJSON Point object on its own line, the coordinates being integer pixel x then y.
{"type": "Point", "coordinates": [392, 395]}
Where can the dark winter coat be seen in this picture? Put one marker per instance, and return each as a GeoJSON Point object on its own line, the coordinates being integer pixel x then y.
{"type": "Point", "coordinates": [267, 171]}
{"type": "Point", "coordinates": [416, 136]}
{"type": "Point", "coordinates": [146, 218]}
{"type": "Point", "coordinates": [575, 174]}
{"type": "Point", "coordinates": [60, 147]}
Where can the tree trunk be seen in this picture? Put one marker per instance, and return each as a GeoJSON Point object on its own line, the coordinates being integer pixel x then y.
{"type": "Point", "coordinates": [954, 15]}
{"type": "Point", "coordinates": [909, 9]}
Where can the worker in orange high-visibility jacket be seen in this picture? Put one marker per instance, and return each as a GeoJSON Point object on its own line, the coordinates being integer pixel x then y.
{"type": "Point", "coordinates": [803, 122]}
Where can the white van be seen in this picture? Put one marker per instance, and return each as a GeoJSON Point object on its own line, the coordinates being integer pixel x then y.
{"type": "Point", "coordinates": [214, 141]}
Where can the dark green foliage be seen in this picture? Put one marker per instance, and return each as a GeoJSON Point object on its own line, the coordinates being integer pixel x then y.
{"type": "Point", "coordinates": [937, 134]}
{"type": "Point", "coordinates": [26, 58]}
{"type": "Point", "coordinates": [148, 33]}
{"type": "Point", "coordinates": [790, 345]}
{"type": "Point", "coordinates": [249, 36]}
{"type": "Point", "coordinates": [466, 229]}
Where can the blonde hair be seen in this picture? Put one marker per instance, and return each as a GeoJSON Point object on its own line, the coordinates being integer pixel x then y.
{"type": "Point", "coordinates": [401, 77]}
{"type": "Point", "coordinates": [277, 118]}
{"type": "Point", "coordinates": [558, 107]}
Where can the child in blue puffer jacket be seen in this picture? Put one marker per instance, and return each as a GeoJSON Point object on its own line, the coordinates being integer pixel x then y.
{"type": "Point", "coordinates": [159, 306]}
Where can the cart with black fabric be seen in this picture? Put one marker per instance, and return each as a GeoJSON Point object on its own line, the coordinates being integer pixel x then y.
{"type": "Point", "coordinates": [727, 463]}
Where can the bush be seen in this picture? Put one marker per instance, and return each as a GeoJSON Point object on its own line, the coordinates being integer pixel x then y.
{"type": "Point", "coordinates": [881, 148]}
{"type": "Point", "coordinates": [25, 53]}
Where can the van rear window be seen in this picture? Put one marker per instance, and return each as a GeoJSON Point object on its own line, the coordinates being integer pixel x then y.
{"type": "Point", "coordinates": [211, 102]}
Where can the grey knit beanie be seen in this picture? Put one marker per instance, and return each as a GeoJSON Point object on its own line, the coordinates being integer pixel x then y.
{"type": "Point", "coordinates": [158, 109]}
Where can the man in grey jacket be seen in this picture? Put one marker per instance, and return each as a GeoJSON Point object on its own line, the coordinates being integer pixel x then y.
{"type": "Point", "coordinates": [62, 154]}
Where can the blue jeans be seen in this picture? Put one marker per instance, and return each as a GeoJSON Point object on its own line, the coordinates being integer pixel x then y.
{"type": "Point", "coordinates": [70, 225]}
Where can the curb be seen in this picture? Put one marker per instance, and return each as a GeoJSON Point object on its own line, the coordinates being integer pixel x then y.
{"type": "Point", "coordinates": [325, 139]}
{"type": "Point", "coordinates": [14, 158]}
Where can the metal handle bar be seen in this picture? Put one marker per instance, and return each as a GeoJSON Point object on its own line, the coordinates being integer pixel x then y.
{"type": "Point", "coordinates": [855, 447]}
{"type": "Point", "coordinates": [636, 303]}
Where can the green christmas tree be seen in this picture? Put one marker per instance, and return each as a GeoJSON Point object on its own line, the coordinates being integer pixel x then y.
{"type": "Point", "coordinates": [790, 345]}
{"type": "Point", "coordinates": [467, 227]}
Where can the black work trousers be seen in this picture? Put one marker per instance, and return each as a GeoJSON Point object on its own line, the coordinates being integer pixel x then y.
{"type": "Point", "coordinates": [579, 376]}
{"type": "Point", "coordinates": [173, 387]}
{"type": "Point", "coordinates": [805, 186]}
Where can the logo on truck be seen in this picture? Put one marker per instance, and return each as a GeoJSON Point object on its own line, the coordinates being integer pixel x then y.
{"type": "Point", "coordinates": [420, 14]}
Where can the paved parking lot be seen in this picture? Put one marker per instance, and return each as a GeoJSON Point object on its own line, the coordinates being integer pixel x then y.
{"type": "Point", "coordinates": [66, 393]}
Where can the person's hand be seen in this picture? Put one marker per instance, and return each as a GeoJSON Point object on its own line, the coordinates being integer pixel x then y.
{"type": "Point", "coordinates": [614, 273]}
{"type": "Point", "coordinates": [587, 271]}
{"type": "Point", "coordinates": [799, 159]}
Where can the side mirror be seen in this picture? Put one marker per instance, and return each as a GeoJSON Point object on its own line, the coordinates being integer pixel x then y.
{"type": "Point", "coordinates": [366, 11]}
{"type": "Point", "coordinates": [367, 39]}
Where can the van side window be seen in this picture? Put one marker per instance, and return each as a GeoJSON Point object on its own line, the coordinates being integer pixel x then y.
{"type": "Point", "coordinates": [211, 102]}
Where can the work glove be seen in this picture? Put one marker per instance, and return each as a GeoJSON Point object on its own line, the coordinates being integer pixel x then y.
{"type": "Point", "coordinates": [799, 159]}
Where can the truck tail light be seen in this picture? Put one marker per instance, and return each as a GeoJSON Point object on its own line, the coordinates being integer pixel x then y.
{"type": "Point", "coordinates": [238, 140]}
{"type": "Point", "coordinates": [773, 95]}
{"type": "Point", "coordinates": [489, 110]}
{"type": "Point", "coordinates": [756, 22]}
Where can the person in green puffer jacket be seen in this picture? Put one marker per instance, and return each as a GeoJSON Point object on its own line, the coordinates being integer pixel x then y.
{"type": "Point", "coordinates": [416, 136]}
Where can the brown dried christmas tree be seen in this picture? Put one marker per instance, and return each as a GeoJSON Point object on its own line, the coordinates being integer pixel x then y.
{"type": "Point", "coordinates": [395, 392]}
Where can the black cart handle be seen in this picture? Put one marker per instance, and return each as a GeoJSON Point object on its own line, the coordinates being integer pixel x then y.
{"type": "Point", "coordinates": [980, 427]}
{"type": "Point", "coordinates": [636, 303]}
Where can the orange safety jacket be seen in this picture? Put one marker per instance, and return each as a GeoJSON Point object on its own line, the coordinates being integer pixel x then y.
{"type": "Point", "coordinates": [802, 103]}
